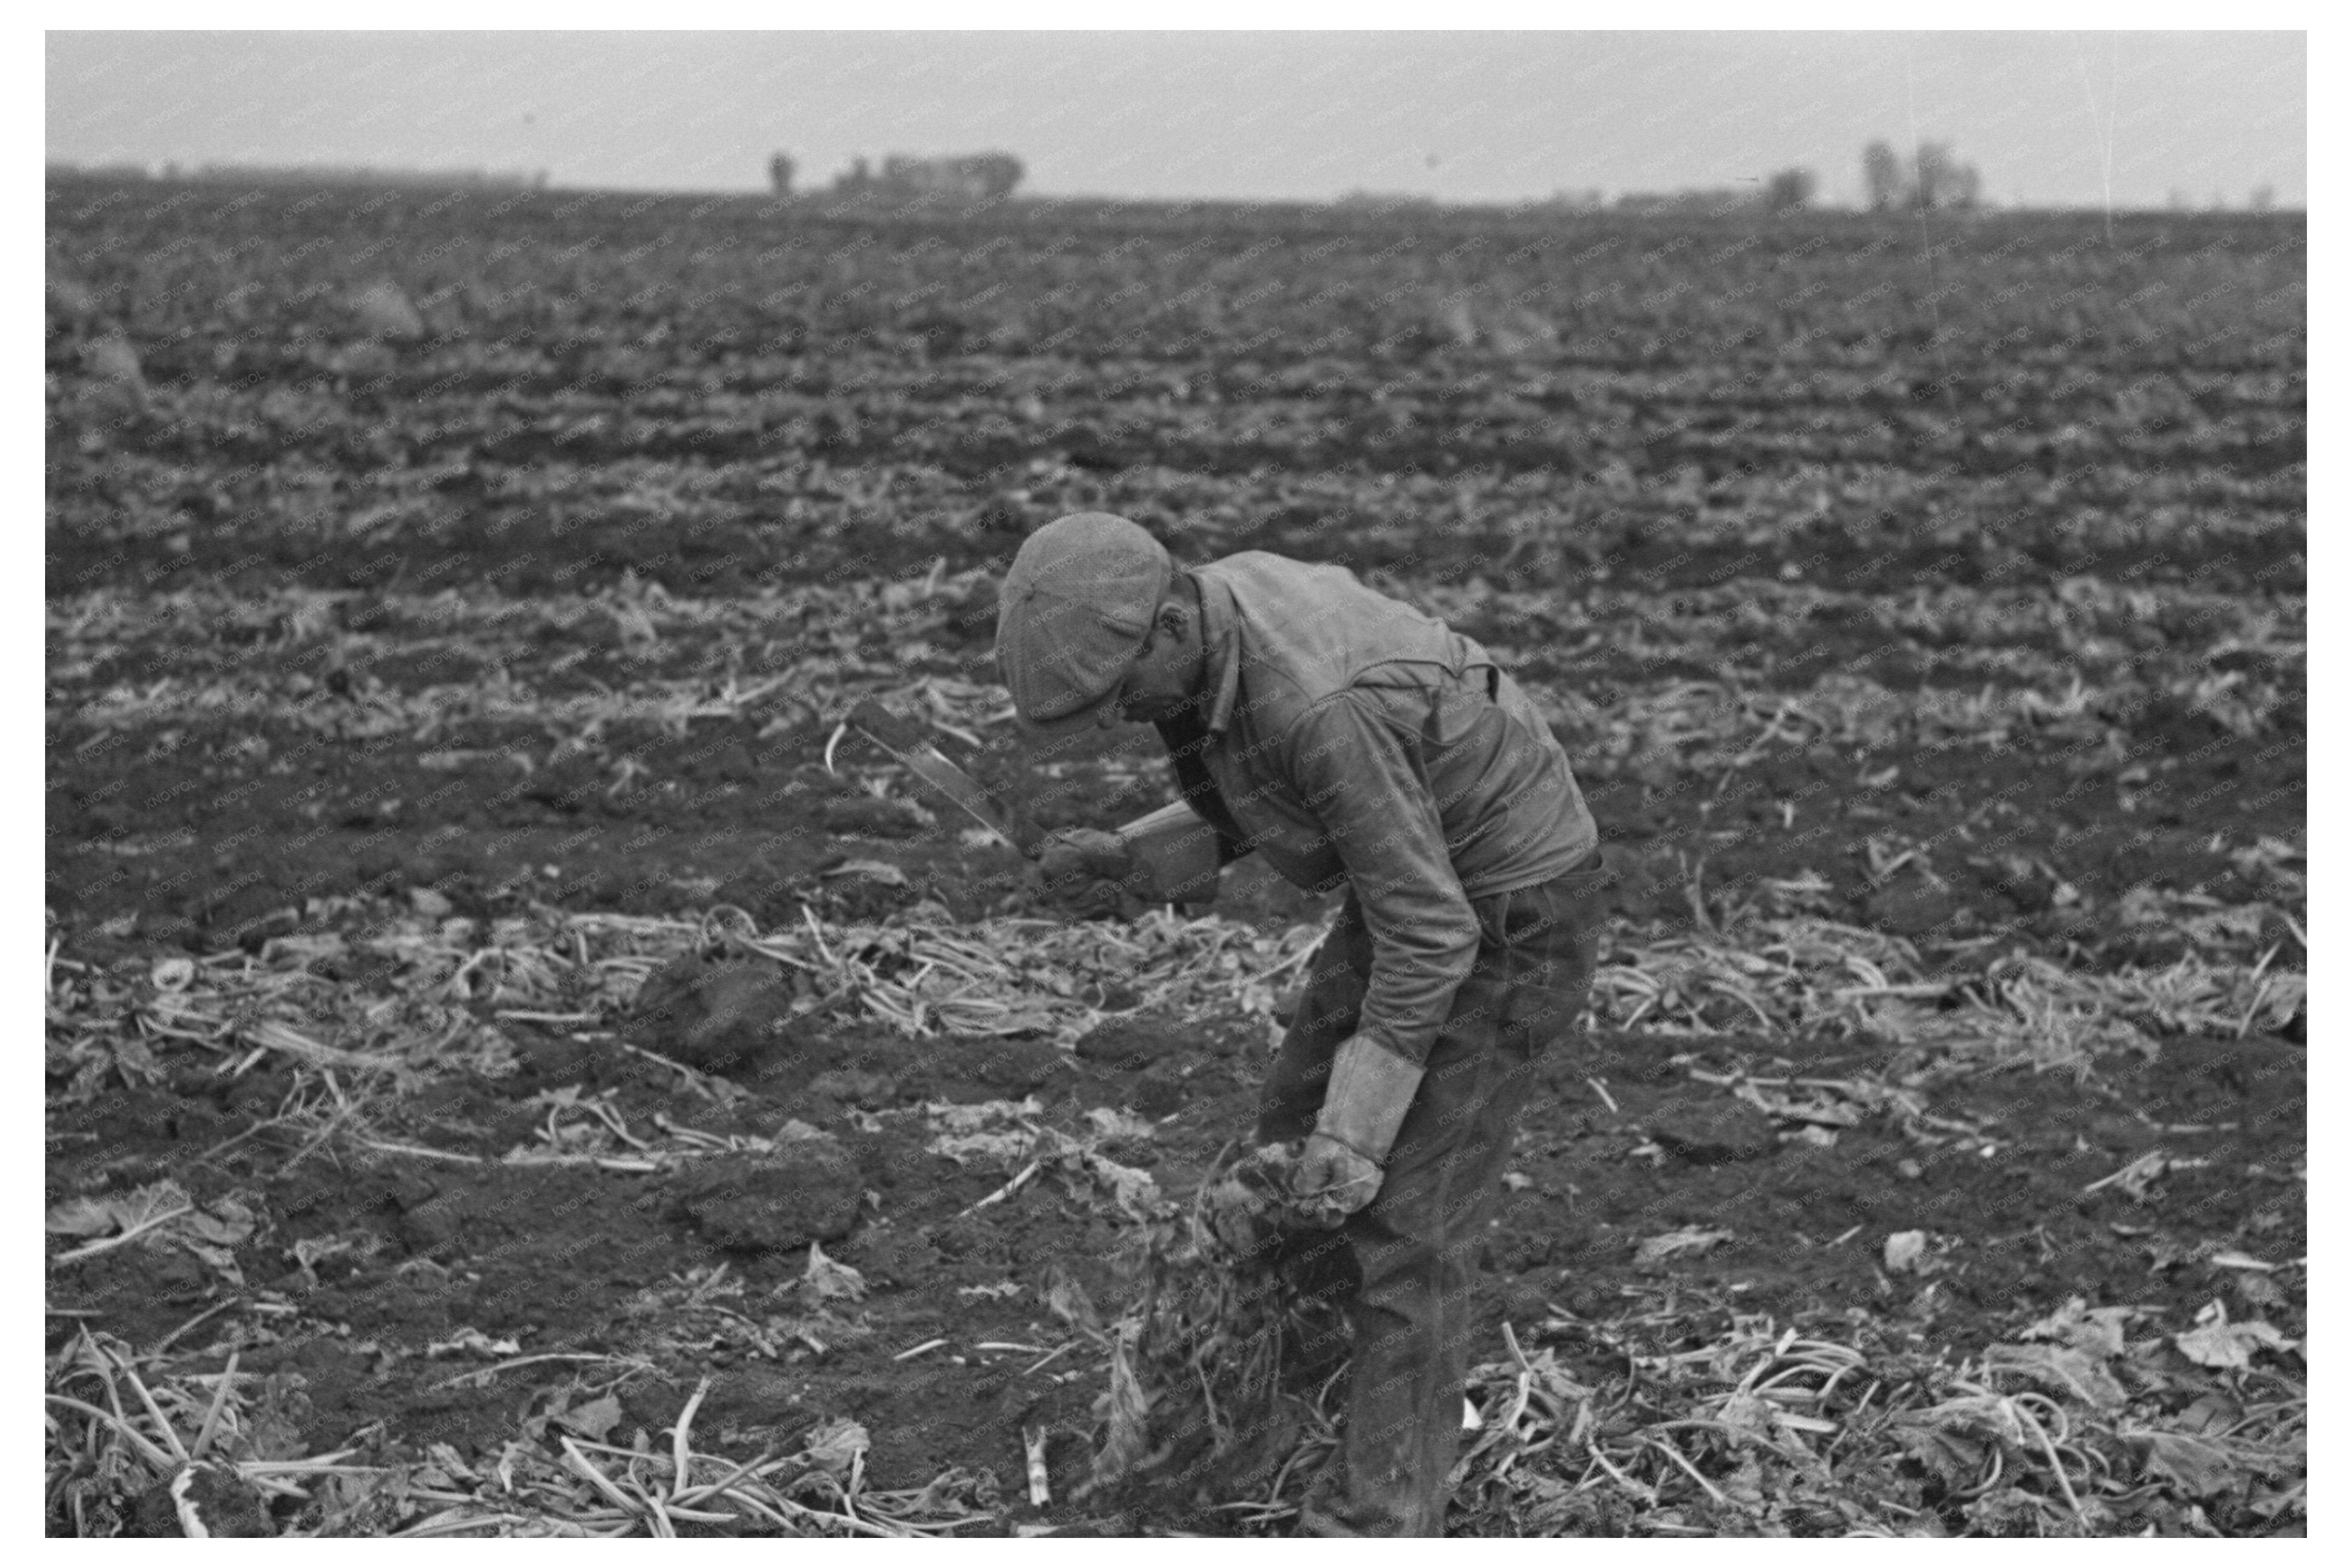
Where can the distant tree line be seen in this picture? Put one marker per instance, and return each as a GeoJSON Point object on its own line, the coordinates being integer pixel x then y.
{"type": "Point", "coordinates": [1933, 179]}
{"type": "Point", "coordinates": [317, 174]}
{"type": "Point", "coordinates": [973, 177]}
{"type": "Point", "coordinates": [1785, 191]}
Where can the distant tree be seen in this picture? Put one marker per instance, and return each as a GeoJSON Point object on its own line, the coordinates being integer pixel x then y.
{"type": "Point", "coordinates": [2263, 199]}
{"type": "Point", "coordinates": [1934, 180]}
{"type": "Point", "coordinates": [1882, 177]}
{"type": "Point", "coordinates": [1967, 186]}
{"type": "Point", "coordinates": [780, 175]}
{"type": "Point", "coordinates": [1789, 190]}
{"type": "Point", "coordinates": [1942, 181]}
{"type": "Point", "coordinates": [975, 177]}
{"type": "Point", "coordinates": [993, 173]}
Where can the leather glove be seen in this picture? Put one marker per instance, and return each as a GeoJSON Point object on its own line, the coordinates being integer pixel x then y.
{"type": "Point", "coordinates": [1370, 1090]}
{"type": "Point", "coordinates": [1082, 869]}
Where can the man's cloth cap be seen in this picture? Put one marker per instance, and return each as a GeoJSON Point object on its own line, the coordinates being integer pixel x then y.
{"type": "Point", "coordinates": [1075, 608]}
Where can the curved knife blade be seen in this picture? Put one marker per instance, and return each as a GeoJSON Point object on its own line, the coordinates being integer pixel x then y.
{"type": "Point", "coordinates": [905, 740]}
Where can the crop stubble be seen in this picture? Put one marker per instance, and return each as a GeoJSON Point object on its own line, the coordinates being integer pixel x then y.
{"type": "Point", "coordinates": [420, 683]}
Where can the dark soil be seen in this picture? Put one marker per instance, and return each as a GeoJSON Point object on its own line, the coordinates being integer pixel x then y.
{"type": "Point", "coordinates": [564, 1260]}
{"type": "Point", "coordinates": [360, 598]}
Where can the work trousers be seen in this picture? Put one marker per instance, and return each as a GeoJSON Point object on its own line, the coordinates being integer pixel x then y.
{"type": "Point", "coordinates": [1415, 1246]}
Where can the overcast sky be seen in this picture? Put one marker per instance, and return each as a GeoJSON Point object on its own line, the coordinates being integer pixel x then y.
{"type": "Point", "coordinates": [2051, 118]}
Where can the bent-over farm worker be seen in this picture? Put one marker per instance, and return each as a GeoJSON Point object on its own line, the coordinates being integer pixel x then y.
{"type": "Point", "coordinates": [1354, 742]}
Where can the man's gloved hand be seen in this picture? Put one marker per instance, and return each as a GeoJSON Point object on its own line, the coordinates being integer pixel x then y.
{"type": "Point", "coordinates": [1331, 1181]}
{"type": "Point", "coordinates": [1082, 869]}
{"type": "Point", "coordinates": [1339, 1172]}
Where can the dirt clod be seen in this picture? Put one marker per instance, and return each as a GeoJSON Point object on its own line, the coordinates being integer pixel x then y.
{"type": "Point", "coordinates": [1712, 1131]}
{"type": "Point", "coordinates": [1010, 1067]}
{"type": "Point", "coordinates": [1125, 1043]}
{"type": "Point", "coordinates": [720, 1016]}
{"type": "Point", "coordinates": [221, 1504]}
{"type": "Point", "coordinates": [807, 1190]}
{"type": "Point", "coordinates": [1910, 909]}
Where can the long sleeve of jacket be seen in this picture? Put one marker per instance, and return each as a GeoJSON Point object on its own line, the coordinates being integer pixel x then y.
{"type": "Point", "coordinates": [1184, 735]}
{"type": "Point", "coordinates": [1360, 771]}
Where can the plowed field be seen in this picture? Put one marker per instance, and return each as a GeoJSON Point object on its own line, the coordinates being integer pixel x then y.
{"type": "Point", "coordinates": [516, 1065]}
